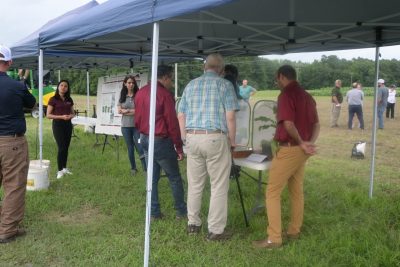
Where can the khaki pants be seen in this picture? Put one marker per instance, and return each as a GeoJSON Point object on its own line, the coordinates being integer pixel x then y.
{"type": "Point", "coordinates": [208, 155]}
{"type": "Point", "coordinates": [286, 168]}
{"type": "Point", "coordinates": [335, 115]}
{"type": "Point", "coordinates": [14, 164]}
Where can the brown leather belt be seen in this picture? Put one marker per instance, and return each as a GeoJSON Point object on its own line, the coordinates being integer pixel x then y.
{"type": "Point", "coordinates": [14, 135]}
{"type": "Point", "coordinates": [204, 131]}
{"type": "Point", "coordinates": [156, 136]}
{"type": "Point", "coordinates": [287, 144]}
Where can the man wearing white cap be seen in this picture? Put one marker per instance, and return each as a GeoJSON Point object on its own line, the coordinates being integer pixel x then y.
{"type": "Point", "coordinates": [383, 94]}
{"type": "Point", "coordinates": [14, 157]}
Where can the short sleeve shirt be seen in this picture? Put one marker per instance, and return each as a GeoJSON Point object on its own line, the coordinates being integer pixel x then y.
{"type": "Point", "coordinates": [128, 120]}
{"type": "Point", "coordinates": [336, 92]}
{"type": "Point", "coordinates": [383, 94]}
{"type": "Point", "coordinates": [298, 106]}
{"type": "Point", "coordinates": [61, 107]}
{"type": "Point", "coordinates": [205, 102]}
{"type": "Point", "coordinates": [246, 91]}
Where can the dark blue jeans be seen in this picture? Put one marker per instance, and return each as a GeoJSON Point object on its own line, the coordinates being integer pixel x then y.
{"type": "Point", "coordinates": [380, 111]}
{"type": "Point", "coordinates": [131, 136]}
{"type": "Point", "coordinates": [355, 109]}
{"type": "Point", "coordinates": [165, 158]}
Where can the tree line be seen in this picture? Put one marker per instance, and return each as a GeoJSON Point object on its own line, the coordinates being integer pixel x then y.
{"type": "Point", "coordinates": [260, 72]}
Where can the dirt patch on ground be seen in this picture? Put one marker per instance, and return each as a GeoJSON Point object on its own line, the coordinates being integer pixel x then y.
{"type": "Point", "coordinates": [85, 215]}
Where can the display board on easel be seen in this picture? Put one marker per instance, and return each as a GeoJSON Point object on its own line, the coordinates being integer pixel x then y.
{"type": "Point", "coordinates": [108, 90]}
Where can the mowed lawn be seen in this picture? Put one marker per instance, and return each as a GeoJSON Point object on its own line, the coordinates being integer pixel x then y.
{"type": "Point", "coordinates": [96, 217]}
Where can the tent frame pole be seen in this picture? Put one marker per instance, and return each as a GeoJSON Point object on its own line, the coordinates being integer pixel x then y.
{"type": "Point", "coordinates": [374, 119]}
{"type": "Point", "coordinates": [87, 92]}
{"type": "Point", "coordinates": [154, 63]}
{"type": "Point", "coordinates": [40, 106]}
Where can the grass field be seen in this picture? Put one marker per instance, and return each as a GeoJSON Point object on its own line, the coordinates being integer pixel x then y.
{"type": "Point", "coordinates": [96, 216]}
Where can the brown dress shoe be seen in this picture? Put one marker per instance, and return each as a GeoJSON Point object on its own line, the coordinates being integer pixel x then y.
{"type": "Point", "coordinates": [8, 239]}
{"type": "Point", "coordinates": [225, 235]}
{"type": "Point", "coordinates": [291, 236]}
{"type": "Point", "coordinates": [265, 243]}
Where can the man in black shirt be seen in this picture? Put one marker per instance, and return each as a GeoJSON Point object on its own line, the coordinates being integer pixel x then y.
{"type": "Point", "coordinates": [14, 157]}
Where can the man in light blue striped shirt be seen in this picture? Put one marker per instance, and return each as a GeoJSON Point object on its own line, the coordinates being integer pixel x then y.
{"type": "Point", "coordinates": [207, 121]}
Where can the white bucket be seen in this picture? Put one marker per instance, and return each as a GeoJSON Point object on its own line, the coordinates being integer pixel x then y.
{"type": "Point", "coordinates": [45, 164]}
{"type": "Point", "coordinates": [38, 178]}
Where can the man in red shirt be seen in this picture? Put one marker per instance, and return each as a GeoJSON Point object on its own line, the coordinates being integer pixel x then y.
{"type": "Point", "coordinates": [296, 132]}
{"type": "Point", "coordinates": [167, 142]}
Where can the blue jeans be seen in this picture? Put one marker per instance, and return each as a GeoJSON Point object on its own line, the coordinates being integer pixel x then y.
{"type": "Point", "coordinates": [355, 109]}
{"type": "Point", "coordinates": [131, 136]}
{"type": "Point", "coordinates": [380, 110]}
{"type": "Point", "coordinates": [166, 158]}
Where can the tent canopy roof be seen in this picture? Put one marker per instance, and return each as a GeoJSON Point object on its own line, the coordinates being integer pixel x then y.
{"type": "Point", "coordinates": [238, 27]}
{"type": "Point", "coordinates": [29, 46]}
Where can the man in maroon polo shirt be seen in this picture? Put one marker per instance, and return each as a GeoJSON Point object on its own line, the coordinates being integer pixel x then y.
{"type": "Point", "coordinates": [296, 132]}
{"type": "Point", "coordinates": [167, 142]}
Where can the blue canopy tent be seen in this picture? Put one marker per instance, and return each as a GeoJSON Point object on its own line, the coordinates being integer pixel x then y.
{"type": "Point", "coordinates": [29, 46]}
{"type": "Point", "coordinates": [230, 27]}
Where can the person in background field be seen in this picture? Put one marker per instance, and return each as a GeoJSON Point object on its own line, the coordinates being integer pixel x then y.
{"type": "Point", "coordinates": [337, 99]}
{"type": "Point", "coordinates": [167, 140]}
{"type": "Point", "coordinates": [382, 101]}
{"type": "Point", "coordinates": [246, 91]}
{"type": "Point", "coordinates": [296, 132]}
{"type": "Point", "coordinates": [14, 156]}
{"type": "Point", "coordinates": [126, 107]}
{"type": "Point", "coordinates": [207, 121]}
{"type": "Point", "coordinates": [355, 98]}
{"type": "Point", "coordinates": [61, 110]}
{"type": "Point", "coordinates": [391, 101]}
{"type": "Point", "coordinates": [232, 74]}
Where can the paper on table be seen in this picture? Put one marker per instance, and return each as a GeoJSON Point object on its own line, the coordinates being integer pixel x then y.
{"type": "Point", "coordinates": [257, 157]}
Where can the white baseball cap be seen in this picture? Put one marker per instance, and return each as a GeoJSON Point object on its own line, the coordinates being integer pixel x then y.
{"type": "Point", "coordinates": [5, 53]}
{"type": "Point", "coordinates": [381, 81]}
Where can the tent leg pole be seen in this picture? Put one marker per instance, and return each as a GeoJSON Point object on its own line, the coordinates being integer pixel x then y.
{"type": "Point", "coordinates": [41, 105]}
{"type": "Point", "coordinates": [373, 141]}
{"type": "Point", "coordinates": [153, 93]}
{"type": "Point", "coordinates": [87, 93]}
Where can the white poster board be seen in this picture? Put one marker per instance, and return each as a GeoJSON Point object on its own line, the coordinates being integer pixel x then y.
{"type": "Point", "coordinates": [108, 91]}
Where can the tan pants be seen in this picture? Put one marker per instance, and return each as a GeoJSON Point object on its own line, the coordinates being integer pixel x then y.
{"type": "Point", "coordinates": [208, 155]}
{"type": "Point", "coordinates": [14, 164]}
{"type": "Point", "coordinates": [286, 168]}
{"type": "Point", "coordinates": [335, 115]}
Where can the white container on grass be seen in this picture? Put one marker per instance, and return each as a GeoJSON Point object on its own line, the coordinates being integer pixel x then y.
{"type": "Point", "coordinates": [38, 177]}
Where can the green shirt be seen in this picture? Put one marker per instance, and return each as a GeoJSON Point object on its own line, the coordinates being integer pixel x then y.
{"type": "Point", "coordinates": [336, 92]}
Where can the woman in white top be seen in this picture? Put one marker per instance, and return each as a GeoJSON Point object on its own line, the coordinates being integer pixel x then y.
{"type": "Point", "coordinates": [391, 101]}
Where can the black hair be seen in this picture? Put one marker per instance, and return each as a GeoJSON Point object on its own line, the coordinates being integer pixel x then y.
{"type": "Point", "coordinates": [231, 70]}
{"type": "Point", "coordinates": [231, 74]}
{"type": "Point", "coordinates": [124, 90]}
{"type": "Point", "coordinates": [288, 71]}
{"type": "Point", "coordinates": [164, 70]}
{"type": "Point", "coordinates": [67, 95]}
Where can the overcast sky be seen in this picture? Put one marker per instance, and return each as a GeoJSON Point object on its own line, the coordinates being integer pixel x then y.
{"type": "Point", "coordinates": [23, 17]}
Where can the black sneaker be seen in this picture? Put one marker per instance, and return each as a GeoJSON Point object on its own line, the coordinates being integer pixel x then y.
{"type": "Point", "coordinates": [225, 235]}
{"type": "Point", "coordinates": [157, 218]}
{"type": "Point", "coordinates": [193, 229]}
{"type": "Point", "coordinates": [181, 217]}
